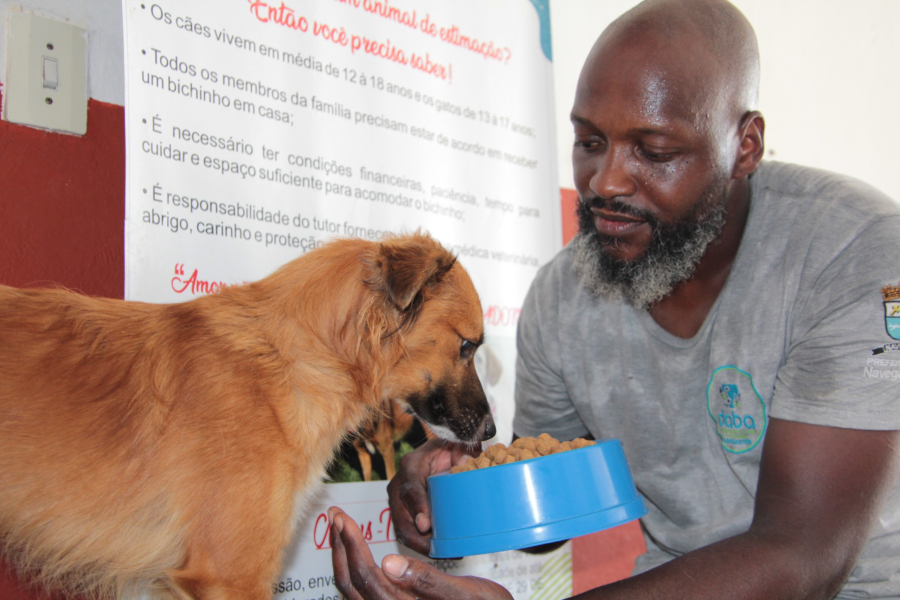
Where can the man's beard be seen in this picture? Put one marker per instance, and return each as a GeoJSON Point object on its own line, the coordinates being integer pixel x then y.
{"type": "Point", "coordinates": [673, 254]}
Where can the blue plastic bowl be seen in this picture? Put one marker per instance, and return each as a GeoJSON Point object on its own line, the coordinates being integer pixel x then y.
{"type": "Point", "coordinates": [532, 502]}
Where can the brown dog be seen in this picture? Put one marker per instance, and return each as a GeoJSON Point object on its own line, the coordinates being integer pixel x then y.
{"type": "Point", "coordinates": [174, 446]}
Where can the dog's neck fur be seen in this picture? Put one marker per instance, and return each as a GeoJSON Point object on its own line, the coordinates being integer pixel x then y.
{"type": "Point", "coordinates": [330, 358]}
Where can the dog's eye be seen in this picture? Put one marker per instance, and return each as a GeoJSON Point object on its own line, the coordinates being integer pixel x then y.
{"type": "Point", "coordinates": [467, 348]}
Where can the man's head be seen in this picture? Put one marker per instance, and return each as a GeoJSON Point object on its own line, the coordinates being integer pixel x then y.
{"type": "Point", "coordinates": [666, 135]}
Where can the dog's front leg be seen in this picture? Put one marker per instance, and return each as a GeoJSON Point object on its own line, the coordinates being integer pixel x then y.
{"type": "Point", "coordinates": [365, 459]}
{"type": "Point", "coordinates": [236, 537]}
{"type": "Point", "coordinates": [202, 579]}
{"type": "Point", "coordinates": [386, 448]}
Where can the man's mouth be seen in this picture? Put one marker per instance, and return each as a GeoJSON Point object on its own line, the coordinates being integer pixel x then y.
{"type": "Point", "coordinates": [615, 224]}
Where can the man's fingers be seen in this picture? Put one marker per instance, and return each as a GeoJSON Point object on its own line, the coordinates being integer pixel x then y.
{"type": "Point", "coordinates": [423, 581]}
{"type": "Point", "coordinates": [414, 496]}
{"type": "Point", "coordinates": [423, 523]}
{"type": "Point", "coordinates": [359, 578]}
{"type": "Point", "coordinates": [339, 556]}
{"type": "Point", "coordinates": [408, 499]}
{"type": "Point", "coordinates": [408, 519]}
{"type": "Point", "coordinates": [368, 580]}
{"type": "Point", "coordinates": [356, 575]}
{"type": "Point", "coordinates": [416, 467]}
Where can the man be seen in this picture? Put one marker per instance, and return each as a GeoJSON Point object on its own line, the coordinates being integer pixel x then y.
{"type": "Point", "coordinates": [729, 321]}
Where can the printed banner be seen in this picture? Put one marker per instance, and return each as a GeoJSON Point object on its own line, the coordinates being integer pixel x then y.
{"type": "Point", "coordinates": [308, 574]}
{"type": "Point", "coordinates": [257, 131]}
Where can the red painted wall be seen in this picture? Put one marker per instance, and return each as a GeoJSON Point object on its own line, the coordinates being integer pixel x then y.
{"type": "Point", "coordinates": [568, 200]}
{"type": "Point", "coordinates": [62, 205]}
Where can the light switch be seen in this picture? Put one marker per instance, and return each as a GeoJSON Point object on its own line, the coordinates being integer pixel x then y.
{"type": "Point", "coordinates": [51, 73]}
{"type": "Point", "coordinates": [46, 74]}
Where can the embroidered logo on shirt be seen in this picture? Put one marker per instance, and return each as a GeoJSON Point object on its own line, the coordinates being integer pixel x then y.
{"type": "Point", "coordinates": [731, 394]}
{"type": "Point", "coordinates": [736, 408]}
{"type": "Point", "coordinates": [891, 295]}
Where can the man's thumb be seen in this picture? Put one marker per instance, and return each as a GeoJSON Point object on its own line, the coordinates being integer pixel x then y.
{"type": "Point", "coordinates": [395, 565]}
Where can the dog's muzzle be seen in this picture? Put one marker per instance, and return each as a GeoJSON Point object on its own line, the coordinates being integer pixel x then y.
{"type": "Point", "coordinates": [488, 428]}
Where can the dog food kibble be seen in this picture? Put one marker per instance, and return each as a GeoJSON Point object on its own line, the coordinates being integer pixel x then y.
{"type": "Point", "coordinates": [521, 449]}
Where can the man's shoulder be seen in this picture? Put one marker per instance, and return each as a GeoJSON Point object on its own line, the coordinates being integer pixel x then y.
{"type": "Point", "coordinates": [812, 188]}
{"type": "Point", "coordinates": [799, 210]}
{"type": "Point", "coordinates": [827, 236]}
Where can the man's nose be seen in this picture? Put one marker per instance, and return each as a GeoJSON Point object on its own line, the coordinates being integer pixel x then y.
{"type": "Point", "coordinates": [613, 176]}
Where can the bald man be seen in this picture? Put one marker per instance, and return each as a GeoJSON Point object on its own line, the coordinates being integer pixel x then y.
{"type": "Point", "coordinates": [729, 320]}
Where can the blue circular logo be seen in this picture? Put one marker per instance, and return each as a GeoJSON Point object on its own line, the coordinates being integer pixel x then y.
{"type": "Point", "coordinates": [736, 408]}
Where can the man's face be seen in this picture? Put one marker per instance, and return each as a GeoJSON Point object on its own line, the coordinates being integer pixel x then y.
{"type": "Point", "coordinates": [651, 166]}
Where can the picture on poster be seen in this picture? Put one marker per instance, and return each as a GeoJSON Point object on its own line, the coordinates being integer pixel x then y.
{"type": "Point", "coordinates": [259, 131]}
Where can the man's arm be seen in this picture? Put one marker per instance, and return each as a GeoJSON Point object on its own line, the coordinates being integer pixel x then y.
{"type": "Point", "coordinates": [820, 490]}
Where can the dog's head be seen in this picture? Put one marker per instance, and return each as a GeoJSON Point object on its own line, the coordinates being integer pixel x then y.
{"type": "Point", "coordinates": [434, 325]}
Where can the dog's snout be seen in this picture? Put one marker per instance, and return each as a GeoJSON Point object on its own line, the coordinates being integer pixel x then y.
{"type": "Point", "coordinates": [490, 430]}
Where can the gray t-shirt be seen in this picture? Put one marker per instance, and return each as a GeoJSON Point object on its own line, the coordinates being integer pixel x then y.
{"type": "Point", "coordinates": [801, 331]}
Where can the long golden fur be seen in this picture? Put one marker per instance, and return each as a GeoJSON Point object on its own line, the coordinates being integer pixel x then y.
{"type": "Point", "coordinates": [173, 446]}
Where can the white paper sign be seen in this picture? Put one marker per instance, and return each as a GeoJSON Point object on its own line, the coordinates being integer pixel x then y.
{"type": "Point", "coordinates": [257, 131]}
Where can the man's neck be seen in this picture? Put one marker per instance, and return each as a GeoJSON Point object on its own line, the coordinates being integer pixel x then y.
{"type": "Point", "coordinates": [684, 310]}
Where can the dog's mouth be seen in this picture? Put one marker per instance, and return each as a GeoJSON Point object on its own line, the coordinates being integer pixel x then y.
{"type": "Point", "coordinates": [464, 420]}
{"type": "Point", "coordinates": [485, 431]}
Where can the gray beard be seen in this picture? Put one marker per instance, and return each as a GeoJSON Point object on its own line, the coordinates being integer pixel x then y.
{"type": "Point", "coordinates": [672, 256]}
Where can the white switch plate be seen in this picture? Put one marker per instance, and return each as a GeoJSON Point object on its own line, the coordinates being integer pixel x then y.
{"type": "Point", "coordinates": [25, 99]}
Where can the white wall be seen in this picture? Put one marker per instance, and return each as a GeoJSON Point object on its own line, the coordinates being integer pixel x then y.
{"type": "Point", "coordinates": [830, 88]}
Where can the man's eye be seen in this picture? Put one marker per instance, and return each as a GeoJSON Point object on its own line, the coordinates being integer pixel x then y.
{"type": "Point", "coordinates": [587, 144]}
{"type": "Point", "coordinates": [657, 156]}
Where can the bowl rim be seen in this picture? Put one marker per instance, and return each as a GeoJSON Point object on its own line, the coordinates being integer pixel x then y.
{"type": "Point", "coordinates": [596, 443]}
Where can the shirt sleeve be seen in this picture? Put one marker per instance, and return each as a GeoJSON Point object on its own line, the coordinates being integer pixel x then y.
{"type": "Point", "coordinates": [542, 400]}
{"type": "Point", "coordinates": [842, 365]}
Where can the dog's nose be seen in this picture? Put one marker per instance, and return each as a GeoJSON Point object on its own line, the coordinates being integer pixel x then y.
{"type": "Point", "coordinates": [490, 430]}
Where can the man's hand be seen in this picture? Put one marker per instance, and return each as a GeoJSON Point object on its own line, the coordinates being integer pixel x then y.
{"type": "Point", "coordinates": [408, 492]}
{"type": "Point", "coordinates": [359, 578]}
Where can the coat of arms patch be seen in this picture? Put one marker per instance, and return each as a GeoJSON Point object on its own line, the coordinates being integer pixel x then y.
{"type": "Point", "coordinates": [891, 295]}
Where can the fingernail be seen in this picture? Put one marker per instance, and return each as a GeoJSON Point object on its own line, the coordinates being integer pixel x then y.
{"type": "Point", "coordinates": [394, 565]}
{"type": "Point", "coordinates": [338, 523]}
{"type": "Point", "coordinates": [422, 523]}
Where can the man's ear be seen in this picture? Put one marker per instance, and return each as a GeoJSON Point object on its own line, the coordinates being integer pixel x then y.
{"type": "Point", "coordinates": [751, 145]}
{"type": "Point", "coordinates": [403, 266]}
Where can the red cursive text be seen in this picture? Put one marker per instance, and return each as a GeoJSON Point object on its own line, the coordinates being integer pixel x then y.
{"type": "Point", "coordinates": [383, 531]}
{"type": "Point", "coordinates": [194, 283]}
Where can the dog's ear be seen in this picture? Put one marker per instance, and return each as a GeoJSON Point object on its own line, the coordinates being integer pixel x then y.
{"type": "Point", "coordinates": [403, 266]}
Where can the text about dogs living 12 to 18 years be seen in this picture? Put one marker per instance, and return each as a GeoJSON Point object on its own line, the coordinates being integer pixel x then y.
{"type": "Point", "coordinates": [284, 163]}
